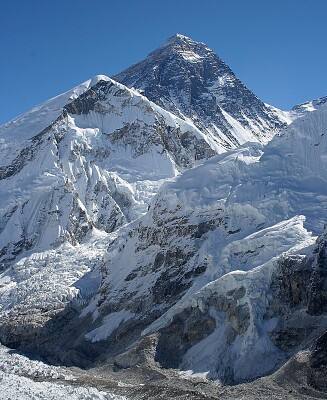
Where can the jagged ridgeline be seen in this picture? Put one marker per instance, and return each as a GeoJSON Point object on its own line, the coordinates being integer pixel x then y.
{"type": "Point", "coordinates": [169, 221]}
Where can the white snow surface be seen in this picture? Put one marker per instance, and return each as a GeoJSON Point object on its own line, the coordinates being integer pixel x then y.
{"type": "Point", "coordinates": [109, 324]}
{"type": "Point", "coordinates": [252, 353]}
{"type": "Point", "coordinates": [303, 109]}
{"type": "Point", "coordinates": [285, 178]}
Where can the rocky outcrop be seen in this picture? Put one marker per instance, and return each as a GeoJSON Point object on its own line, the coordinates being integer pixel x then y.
{"type": "Point", "coordinates": [318, 364]}
{"type": "Point", "coordinates": [185, 330]}
{"type": "Point", "coordinates": [299, 298]}
{"type": "Point", "coordinates": [317, 304]}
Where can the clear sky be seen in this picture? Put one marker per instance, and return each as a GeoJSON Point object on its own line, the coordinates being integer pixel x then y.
{"type": "Point", "coordinates": [278, 48]}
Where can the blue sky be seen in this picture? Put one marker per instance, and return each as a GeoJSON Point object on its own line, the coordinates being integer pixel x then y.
{"type": "Point", "coordinates": [278, 48]}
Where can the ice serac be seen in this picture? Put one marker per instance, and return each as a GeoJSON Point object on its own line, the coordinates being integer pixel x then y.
{"type": "Point", "coordinates": [188, 79]}
{"type": "Point", "coordinates": [90, 158]}
{"type": "Point", "coordinates": [223, 269]}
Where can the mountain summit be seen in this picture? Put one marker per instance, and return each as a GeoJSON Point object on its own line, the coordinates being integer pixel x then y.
{"type": "Point", "coordinates": [181, 42]}
{"type": "Point", "coordinates": [188, 79]}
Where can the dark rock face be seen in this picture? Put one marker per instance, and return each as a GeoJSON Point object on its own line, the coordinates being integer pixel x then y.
{"type": "Point", "coordinates": [168, 251]}
{"type": "Point", "coordinates": [318, 364]}
{"type": "Point", "coordinates": [290, 284]}
{"type": "Point", "coordinates": [91, 100]}
{"type": "Point", "coordinates": [318, 283]}
{"type": "Point", "coordinates": [302, 282]}
{"type": "Point", "coordinates": [185, 330]}
{"type": "Point", "coordinates": [290, 292]}
{"type": "Point", "coordinates": [299, 298]}
{"type": "Point", "coordinates": [191, 81]}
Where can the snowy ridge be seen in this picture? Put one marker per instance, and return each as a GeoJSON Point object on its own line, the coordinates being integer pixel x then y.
{"type": "Point", "coordinates": [14, 133]}
{"type": "Point", "coordinates": [301, 110]}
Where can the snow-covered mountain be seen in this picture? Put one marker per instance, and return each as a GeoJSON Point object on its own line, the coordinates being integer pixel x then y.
{"type": "Point", "coordinates": [92, 157]}
{"type": "Point", "coordinates": [201, 268]}
{"type": "Point", "coordinates": [130, 236]}
{"type": "Point", "coordinates": [188, 79]}
{"type": "Point", "coordinates": [221, 276]}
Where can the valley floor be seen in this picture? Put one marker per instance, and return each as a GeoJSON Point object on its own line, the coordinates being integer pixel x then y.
{"type": "Point", "coordinates": [23, 378]}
